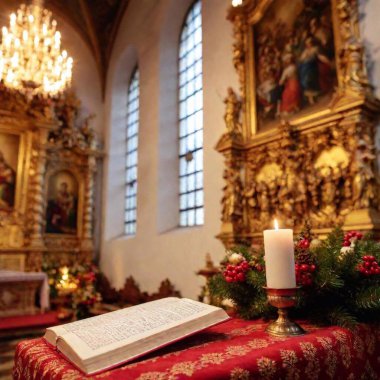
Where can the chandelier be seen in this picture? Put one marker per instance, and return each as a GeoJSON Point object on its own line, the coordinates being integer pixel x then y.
{"type": "Point", "coordinates": [31, 60]}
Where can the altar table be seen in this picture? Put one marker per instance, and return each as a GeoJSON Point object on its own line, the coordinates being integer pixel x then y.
{"type": "Point", "coordinates": [236, 350]}
{"type": "Point", "coordinates": [18, 292]}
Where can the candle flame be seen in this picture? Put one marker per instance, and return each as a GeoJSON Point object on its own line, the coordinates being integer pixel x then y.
{"type": "Point", "coordinates": [276, 224]}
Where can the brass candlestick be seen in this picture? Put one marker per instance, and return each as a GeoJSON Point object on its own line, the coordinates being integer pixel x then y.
{"type": "Point", "coordinates": [283, 299]}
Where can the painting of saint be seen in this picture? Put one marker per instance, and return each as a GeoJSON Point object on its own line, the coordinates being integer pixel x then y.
{"type": "Point", "coordinates": [61, 213]}
{"type": "Point", "coordinates": [295, 60]}
{"type": "Point", "coordinates": [9, 150]}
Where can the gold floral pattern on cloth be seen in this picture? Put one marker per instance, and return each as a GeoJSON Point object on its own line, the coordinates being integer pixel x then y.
{"type": "Point", "coordinates": [359, 346]}
{"type": "Point", "coordinates": [235, 350]}
{"type": "Point", "coordinates": [344, 349]}
{"type": "Point", "coordinates": [239, 374]}
{"type": "Point", "coordinates": [312, 368]}
{"type": "Point", "coordinates": [331, 356]}
{"type": "Point", "coordinates": [186, 368]}
{"type": "Point", "coordinates": [258, 343]}
{"type": "Point", "coordinates": [370, 343]}
{"type": "Point", "coordinates": [245, 331]}
{"type": "Point", "coordinates": [238, 350]}
{"type": "Point", "coordinates": [267, 367]}
{"type": "Point", "coordinates": [289, 361]}
{"type": "Point", "coordinates": [152, 376]}
{"type": "Point", "coordinates": [213, 358]}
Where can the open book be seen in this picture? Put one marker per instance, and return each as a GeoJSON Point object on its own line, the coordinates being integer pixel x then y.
{"type": "Point", "coordinates": [105, 341]}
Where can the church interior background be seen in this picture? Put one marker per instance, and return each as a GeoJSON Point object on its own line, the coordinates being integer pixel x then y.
{"type": "Point", "coordinates": [182, 135]}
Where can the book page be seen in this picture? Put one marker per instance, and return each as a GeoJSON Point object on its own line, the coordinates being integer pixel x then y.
{"type": "Point", "coordinates": [93, 336]}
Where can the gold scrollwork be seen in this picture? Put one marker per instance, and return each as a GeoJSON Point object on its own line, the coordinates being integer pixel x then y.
{"type": "Point", "coordinates": [320, 165]}
{"type": "Point", "coordinates": [52, 136]}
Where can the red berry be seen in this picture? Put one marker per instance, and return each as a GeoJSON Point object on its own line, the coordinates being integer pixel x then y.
{"type": "Point", "coordinates": [377, 271]}
{"type": "Point", "coordinates": [312, 268]}
{"type": "Point", "coordinates": [371, 258]}
{"type": "Point", "coordinates": [240, 277]}
{"type": "Point", "coordinates": [259, 267]}
{"type": "Point", "coordinates": [367, 272]}
{"type": "Point", "coordinates": [346, 243]}
{"type": "Point", "coordinates": [304, 267]}
{"type": "Point", "coordinates": [304, 243]}
{"type": "Point", "coordinates": [229, 279]}
{"type": "Point", "coordinates": [359, 235]}
{"type": "Point", "coordinates": [367, 264]}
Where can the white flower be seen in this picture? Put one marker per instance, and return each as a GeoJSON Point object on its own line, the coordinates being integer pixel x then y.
{"type": "Point", "coordinates": [344, 251]}
{"type": "Point", "coordinates": [235, 258]}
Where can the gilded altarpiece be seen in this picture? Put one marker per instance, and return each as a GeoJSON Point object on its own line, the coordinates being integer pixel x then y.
{"type": "Point", "coordinates": [300, 138]}
{"type": "Point", "coordinates": [39, 139]}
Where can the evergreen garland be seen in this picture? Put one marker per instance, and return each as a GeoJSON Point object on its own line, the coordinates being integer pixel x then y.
{"type": "Point", "coordinates": [339, 279]}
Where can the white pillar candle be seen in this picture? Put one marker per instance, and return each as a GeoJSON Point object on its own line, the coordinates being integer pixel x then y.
{"type": "Point", "coordinates": [279, 258]}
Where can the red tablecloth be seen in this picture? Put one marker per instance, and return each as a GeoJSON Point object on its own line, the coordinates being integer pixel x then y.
{"type": "Point", "coordinates": [235, 350]}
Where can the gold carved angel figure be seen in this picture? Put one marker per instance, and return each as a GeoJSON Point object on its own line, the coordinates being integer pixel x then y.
{"type": "Point", "coordinates": [251, 200]}
{"type": "Point", "coordinates": [232, 198]}
{"type": "Point", "coordinates": [300, 197]}
{"type": "Point", "coordinates": [232, 114]}
{"type": "Point", "coordinates": [329, 191]}
{"type": "Point", "coordinates": [363, 184]}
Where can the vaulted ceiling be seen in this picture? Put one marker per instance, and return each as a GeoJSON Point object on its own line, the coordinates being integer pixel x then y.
{"type": "Point", "coordinates": [96, 20]}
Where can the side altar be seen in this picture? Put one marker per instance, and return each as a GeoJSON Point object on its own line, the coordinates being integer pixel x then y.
{"type": "Point", "coordinates": [300, 139]}
{"type": "Point", "coordinates": [49, 158]}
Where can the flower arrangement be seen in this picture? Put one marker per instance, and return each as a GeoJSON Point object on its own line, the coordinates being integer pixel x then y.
{"type": "Point", "coordinates": [339, 279]}
{"type": "Point", "coordinates": [78, 283]}
{"type": "Point", "coordinates": [86, 294]}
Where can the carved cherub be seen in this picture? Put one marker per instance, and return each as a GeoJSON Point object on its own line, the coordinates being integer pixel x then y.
{"type": "Point", "coordinates": [232, 197]}
{"type": "Point", "coordinates": [363, 184]}
{"type": "Point", "coordinates": [232, 113]}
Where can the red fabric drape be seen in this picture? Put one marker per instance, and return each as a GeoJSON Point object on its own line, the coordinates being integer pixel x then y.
{"type": "Point", "coordinates": [236, 349]}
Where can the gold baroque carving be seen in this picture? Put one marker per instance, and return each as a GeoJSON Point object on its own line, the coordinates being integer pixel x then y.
{"type": "Point", "coordinates": [320, 166]}
{"type": "Point", "coordinates": [52, 135]}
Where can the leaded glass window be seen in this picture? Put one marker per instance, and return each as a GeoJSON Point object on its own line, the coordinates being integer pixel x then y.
{"type": "Point", "coordinates": [191, 207]}
{"type": "Point", "coordinates": [131, 154]}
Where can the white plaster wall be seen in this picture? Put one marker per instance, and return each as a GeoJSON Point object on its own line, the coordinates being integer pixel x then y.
{"type": "Point", "coordinates": [149, 35]}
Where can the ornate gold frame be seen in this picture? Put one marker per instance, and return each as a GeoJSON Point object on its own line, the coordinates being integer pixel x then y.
{"type": "Point", "coordinates": [21, 178]}
{"type": "Point", "coordinates": [52, 138]}
{"type": "Point", "coordinates": [349, 55]}
{"type": "Point", "coordinates": [54, 169]}
{"type": "Point", "coordinates": [348, 121]}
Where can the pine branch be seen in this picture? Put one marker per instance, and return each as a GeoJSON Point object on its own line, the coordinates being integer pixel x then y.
{"type": "Point", "coordinates": [256, 279]}
{"type": "Point", "coordinates": [341, 317]}
{"type": "Point", "coordinates": [369, 298]}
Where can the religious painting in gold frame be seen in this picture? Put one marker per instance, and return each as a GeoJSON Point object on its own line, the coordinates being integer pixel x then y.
{"type": "Point", "coordinates": [294, 60]}
{"type": "Point", "coordinates": [12, 151]}
{"type": "Point", "coordinates": [62, 203]}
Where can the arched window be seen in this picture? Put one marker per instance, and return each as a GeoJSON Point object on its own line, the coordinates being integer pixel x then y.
{"type": "Point", "coordinates": [131, 154]}
{"type": "Point", "coordinates": [191, 120]}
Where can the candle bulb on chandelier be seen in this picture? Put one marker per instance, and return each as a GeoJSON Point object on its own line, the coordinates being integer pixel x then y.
{"type": "Point", "coordinates": [236, 3]}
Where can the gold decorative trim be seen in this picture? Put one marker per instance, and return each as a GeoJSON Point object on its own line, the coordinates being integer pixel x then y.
{"type": "Point", "coordinates": [318, 166]}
